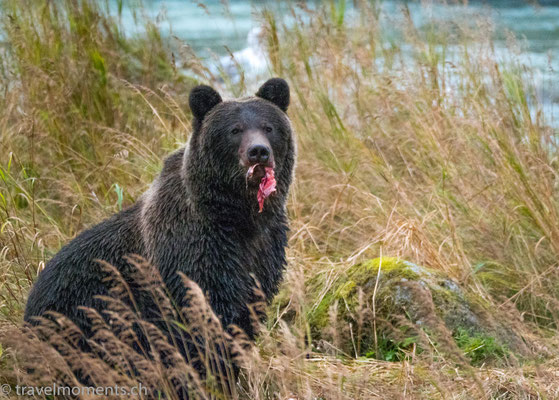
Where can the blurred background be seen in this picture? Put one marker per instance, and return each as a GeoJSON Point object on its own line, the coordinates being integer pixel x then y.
{"type": "Point", "coordinates": [217, 28]}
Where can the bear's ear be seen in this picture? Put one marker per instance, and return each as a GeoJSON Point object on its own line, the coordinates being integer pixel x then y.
{"type": "Point", "coordinates": [201, 100]}
{"type": "Point", "coordinates": [275, 90]}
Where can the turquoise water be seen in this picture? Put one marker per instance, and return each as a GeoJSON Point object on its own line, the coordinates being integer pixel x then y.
{"type": "Point", "coordinates": [213, 26]}
{"type": "Point", "coordinates": [206, 26]}
{"type": "Point", "coordinates": [213, 29]}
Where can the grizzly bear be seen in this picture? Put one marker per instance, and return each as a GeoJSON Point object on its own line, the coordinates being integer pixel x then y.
{"type": "Point", "coordinates": [205, 216]}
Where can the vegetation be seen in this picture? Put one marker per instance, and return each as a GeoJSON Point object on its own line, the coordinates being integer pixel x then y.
{"type": "Point", "coordinates": [414, 144]}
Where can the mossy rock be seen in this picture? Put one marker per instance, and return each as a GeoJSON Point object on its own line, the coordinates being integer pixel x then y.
{"type": "Point", "coordinates": [413, 305]}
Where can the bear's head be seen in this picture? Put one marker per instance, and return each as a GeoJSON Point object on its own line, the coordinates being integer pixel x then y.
{"type": "Point", "coordinates": [235, 142]}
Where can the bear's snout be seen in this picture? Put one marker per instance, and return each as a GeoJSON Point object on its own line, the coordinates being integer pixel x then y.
{"type": "Point", "coordinates": [258, 154]}
{"type": "Point", "coordinates": [256, 149]}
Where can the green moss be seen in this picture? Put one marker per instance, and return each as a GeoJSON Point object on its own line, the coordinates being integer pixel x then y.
{"type": "Point", "coordinates": [318, 318]}
{"type": "Point", "coordinates": [389, 349]}
{"type": "Point", "coordinates": [345, 288]}
{"type": "Point", "coordinates": [400, 292]}
{"type": "Point", "coordinates": [480, 348]}
{"type": "Point", "coordinates": [389, 266]}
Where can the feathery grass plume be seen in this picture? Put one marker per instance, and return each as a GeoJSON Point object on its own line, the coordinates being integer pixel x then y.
{"type": "Point", "coordinates": [197, 359]}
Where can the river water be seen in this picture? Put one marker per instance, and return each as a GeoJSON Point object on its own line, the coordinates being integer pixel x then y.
{"type": "Point", "coordinates": [212, 28]}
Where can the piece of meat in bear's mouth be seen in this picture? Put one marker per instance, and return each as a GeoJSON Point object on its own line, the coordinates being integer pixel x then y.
{"type": "Point", "coordinates": [267, 185]}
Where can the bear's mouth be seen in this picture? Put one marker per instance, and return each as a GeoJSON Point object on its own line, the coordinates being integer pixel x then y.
{"type": "Point", "coordinates": [263, 176]}
{"type": "Point", "coordinates": [255, 173]}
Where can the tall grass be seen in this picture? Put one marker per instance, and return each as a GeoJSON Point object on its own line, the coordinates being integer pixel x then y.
{"type": "Point", "coordinates": [414, 142]}
{"type": "Point", "coordinates": [78, 112]}
{"type": "Point", "coordinates": [434, 150]}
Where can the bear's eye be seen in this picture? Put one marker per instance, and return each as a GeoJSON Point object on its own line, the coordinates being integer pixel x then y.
{"type": "Point", "coordinates": [235, 131]}
{"type": "Point", "coordinates": [268, 129]}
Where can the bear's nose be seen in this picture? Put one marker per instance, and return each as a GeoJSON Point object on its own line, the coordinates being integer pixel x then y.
{"type": "Point", "coordinates": [258, 154]}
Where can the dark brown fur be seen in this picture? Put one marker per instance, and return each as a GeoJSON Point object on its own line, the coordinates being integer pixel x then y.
{"type": "Point", "coordinates": [199, 217]}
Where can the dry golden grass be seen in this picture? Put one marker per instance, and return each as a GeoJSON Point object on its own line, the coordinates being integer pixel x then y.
{"type": "Point", "coordinates": [415, 143]}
